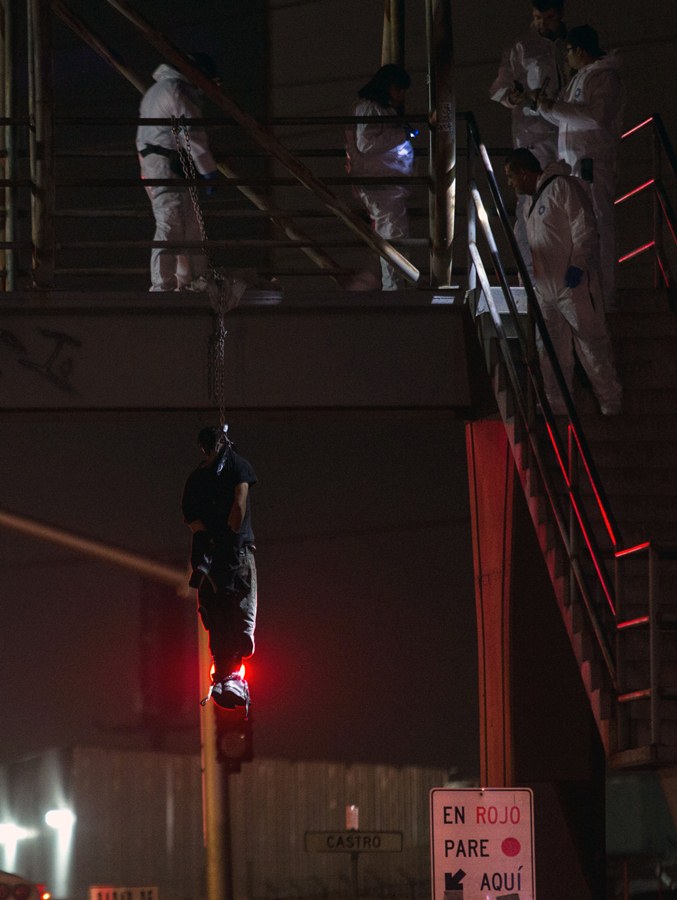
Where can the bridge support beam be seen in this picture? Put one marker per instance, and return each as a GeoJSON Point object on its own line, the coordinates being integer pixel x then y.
{"type": "Point", "coordinates": [491, 478]}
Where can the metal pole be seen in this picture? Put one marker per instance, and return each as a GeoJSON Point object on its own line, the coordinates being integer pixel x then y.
{"type": "Point", "coordinates": [443, 138]}
{"type": "Point", "coordinates": [3, 211]}
{"type": "Point", "coordinates": [286, 224]}
{"type": "Point", "coordinates": [654, 646]}
{"type": "Point", "coordinates": [269, 143]}
{"type": "Point", "coordinates": [354, 874]}
{"type": "Point", "coordinates": [215, 794]}
{"type": "Point", "coordinates": [10, 166]}
{"type": "Point", "coordinates": [657, 211]}
{"type": "Point", "coordinates": [41, 110]}
{"type": "Point", "coordinates": [392, 45]}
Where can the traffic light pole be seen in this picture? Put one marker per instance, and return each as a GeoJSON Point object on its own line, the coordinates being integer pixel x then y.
{"type": "Point", "coordinates": [215, 791]}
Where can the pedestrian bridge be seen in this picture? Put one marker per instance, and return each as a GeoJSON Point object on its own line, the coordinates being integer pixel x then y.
{"type": "Point", "coordinates": [133, 351]}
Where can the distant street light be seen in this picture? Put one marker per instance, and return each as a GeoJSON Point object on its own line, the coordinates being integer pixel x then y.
{"type": "Point", "coordinates": [63, 822]}
{"type": "Point", "coordinates": [10, 835]}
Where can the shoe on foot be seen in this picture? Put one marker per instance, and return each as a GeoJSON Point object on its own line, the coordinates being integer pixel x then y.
{"type": "Point", "coordinates": [231, 692]}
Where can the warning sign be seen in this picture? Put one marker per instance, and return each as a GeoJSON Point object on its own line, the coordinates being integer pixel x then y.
{"type": "Point", "coordinates": [482, 843]}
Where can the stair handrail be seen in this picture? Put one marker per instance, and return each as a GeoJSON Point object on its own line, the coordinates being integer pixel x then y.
{"type": "Point", "coordinates": [534, 444]}
{"type": "Point", "coordinates": [662, 203]}
{"type": "Point", "coordinates": [477, 211]}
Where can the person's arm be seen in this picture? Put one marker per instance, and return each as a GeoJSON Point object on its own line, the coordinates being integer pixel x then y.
{"type": "Point", "coordinates": [239, 507]}
{"type": "Point", "coordinates": [596, 109]}
{"type": "Point", "coordinates": [503, 89]}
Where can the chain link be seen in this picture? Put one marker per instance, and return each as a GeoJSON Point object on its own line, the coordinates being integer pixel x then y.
{"type": "Point", "coordinates": [216, 283]}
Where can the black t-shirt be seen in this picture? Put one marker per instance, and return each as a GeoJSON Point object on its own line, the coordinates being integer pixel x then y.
{"type": "Point", "coordinates": [209, 495]}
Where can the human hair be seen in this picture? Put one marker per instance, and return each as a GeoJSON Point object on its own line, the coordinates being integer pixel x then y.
{"type": "Point", "coordinates": [378, 86]}
{"type": "Point", "coordinates": [213, 437]}
{"type": "Point", "coordinates": [586, 38]}
{"type": "Point", "coordinates": [524, 160]}
{"type": "Point", "coordinates": [545, 5]}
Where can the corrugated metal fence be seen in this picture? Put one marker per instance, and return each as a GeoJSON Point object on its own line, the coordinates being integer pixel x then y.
{"type": "Point", "coordinates": [139, 824]}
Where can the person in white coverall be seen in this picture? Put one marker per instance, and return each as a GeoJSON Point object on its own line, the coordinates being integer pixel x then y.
{"type": "Point", "coordinates": [534, 64]}
{"type": "Point", "coordinates": [380, 149]}
{"type": "Point", "coordinates": [564, 245]}
{"type": "Point", "coordinates": [173, 95]}
{"type": "Point", "coordinates": [589, 118]}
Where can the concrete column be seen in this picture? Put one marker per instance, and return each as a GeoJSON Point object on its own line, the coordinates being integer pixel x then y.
{"type": "Point", "coordinates": [491, 478]}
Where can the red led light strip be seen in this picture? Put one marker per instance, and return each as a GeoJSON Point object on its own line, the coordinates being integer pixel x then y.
{"type": "Point", "coordinates": [637, 251]}
{"type": "Point", "coordinates": [637, 127]}
{"type": "Point", "coordinates": [636, 549]}
{"type": "Point", "coordinates": [602, 510]}
{"type": "Point", "coordinates": [634, 191]}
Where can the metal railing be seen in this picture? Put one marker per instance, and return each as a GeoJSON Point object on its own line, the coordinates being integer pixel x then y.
{"type": "Point", "coordinates": [575, 529]}
{"type": "Point", "coordinates": [663, 210]}
{"type": "Point", "coordinates": [579, 481]}
{"type": "Point", "coordinates": [43, 155]}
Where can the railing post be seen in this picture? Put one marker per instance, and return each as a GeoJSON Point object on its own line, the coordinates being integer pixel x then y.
{"type": "Point", "coordinates": [471, 210]}
{"type": "Point", "coordinates": [659, 245]}
{"type": "Point", "coordinates": [392, 46]}
{"type": "Point", "coordinates": [574, 538]}
{"type": "Point", "coordinates": [442, 138]}
{"type": "Point", "coordinates": [654, 645]}
{"type": "Point", "coordinates": [41, 110]}
{"type": "Point", "coordinates": [8, 109]}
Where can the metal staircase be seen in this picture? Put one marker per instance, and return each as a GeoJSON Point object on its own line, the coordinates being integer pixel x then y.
{"type": "Point", "coordinates": [613, 578]}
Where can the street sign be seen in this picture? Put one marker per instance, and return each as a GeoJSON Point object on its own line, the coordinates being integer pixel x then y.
{"type": "Point", "coordinates": [482, 844]}
{"type": "Point", "coordinates": [353, 841]}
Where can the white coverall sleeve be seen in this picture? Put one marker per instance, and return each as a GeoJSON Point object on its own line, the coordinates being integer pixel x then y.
{"type": "Point", "coordinates": [505, 79]}
{"type": "Point", "coordinates": [598, 108]}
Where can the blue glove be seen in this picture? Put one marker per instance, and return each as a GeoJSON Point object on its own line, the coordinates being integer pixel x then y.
{"type": "Point", "coordinates": [210, 190]}
{"type": "Point", "coordinates": [572, 277]}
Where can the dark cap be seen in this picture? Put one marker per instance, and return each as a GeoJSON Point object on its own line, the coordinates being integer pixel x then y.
{"type": "Point", "coordinates": [585, 37]}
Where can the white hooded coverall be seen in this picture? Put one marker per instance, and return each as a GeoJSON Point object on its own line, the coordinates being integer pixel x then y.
{"type": "Point", "coordinates": [381, 149]}
{"type": "Point", "coordinates": [562, 232]}
{"type": "Point", "coordinates": [175, 219]}
{"type": "Point", "coordinates": [589, 118]}
{"type": "Point", "coordinates": [533, 61]}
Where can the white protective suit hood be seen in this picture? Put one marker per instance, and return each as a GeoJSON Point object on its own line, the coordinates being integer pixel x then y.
{"type": "Point", "coordinates": [166, 72]}
{"type": "Point", "coordinates": [173, 96]}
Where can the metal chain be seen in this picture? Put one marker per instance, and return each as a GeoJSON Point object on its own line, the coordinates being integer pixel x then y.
{"type": "Point", "coordinates": [216, 359]}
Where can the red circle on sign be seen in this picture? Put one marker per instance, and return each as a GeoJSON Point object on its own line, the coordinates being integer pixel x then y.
{"type": "Point", "coordinates": [511, 847]}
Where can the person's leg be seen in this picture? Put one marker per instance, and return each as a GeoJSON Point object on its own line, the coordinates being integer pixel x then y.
{"type": "Point", "coordinates": [594, 350]}
{"type": "Point", "coordinates": [388, 212]}
{"type": "Point", "coordinates": [166, 205]}
{"type": "Point", "coordinates": [560, 335]}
